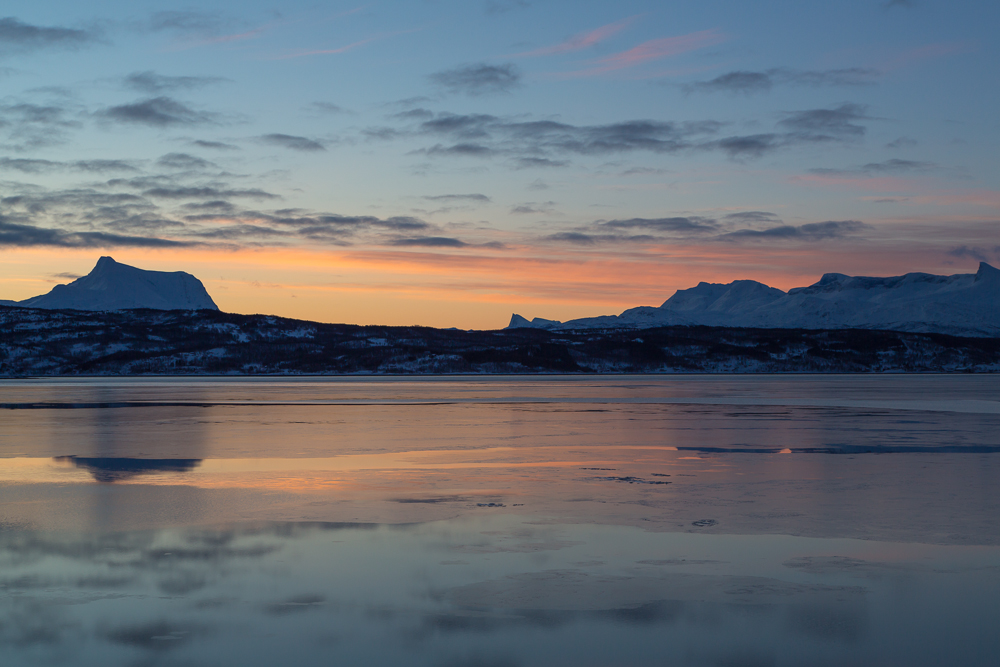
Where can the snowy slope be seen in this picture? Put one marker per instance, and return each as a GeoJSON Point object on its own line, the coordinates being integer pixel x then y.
{"type": "Point", "coordinates": [114, 286]}
{"type": "Point", "coordinates": [963, 304]}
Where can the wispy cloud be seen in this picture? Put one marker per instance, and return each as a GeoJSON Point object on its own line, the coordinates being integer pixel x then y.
{"type": "Point", "coordinates": [892, 166]}
{"type": "Point", "coordinates": [157, 112]}
{"type": "Point", "coordinates": [291, 141]}
{"type": "Point", "coordinates": [151, 82]}
{"type": "Point", "coordinates": [26, 236]}
{"type": "Point", "coordinates": [749, 82]}
{"type": "Point", "coordinates": [654, 49]}
{"type": "Point", "coordinates": [36, 166]}
{"type": "Point", "coordinates": [19, 37]}
{"type": "Point", "coordinates": [347, 47]}
{"type": "Point", "coordinates": [324, 52]}
{"type": "Point", "coordinates": [480, 79]}
{"type": "Point", "coordinates": [581, 41]}
{"type": "Point", "coordinates": [813, 231]}
{"type": "Point", "coordinates": [430, 242]}
{"type": "Point", "coordinates": [474, 197]}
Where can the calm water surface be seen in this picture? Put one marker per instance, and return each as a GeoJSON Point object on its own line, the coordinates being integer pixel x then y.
{"type": "Point", "coordinates": [501, 522]}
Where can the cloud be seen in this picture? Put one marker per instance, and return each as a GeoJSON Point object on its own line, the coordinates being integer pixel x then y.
{"type": "Point", "coordinates": [430, 242]}
{"type": "Point", "coordinates": [581, 238]}
{"type": "Point", "coordinates": [529, 142]}
{"type": "Point", "coordinates": [206, 192]}
{"type": "Point", "coordinates": [184, 22]}
{"type": "Point", "coordinates": [214, 145]}
{"type": "Point", "coordinates": [734, 82]}
{"type": "Point", "coordinates": [747, 82]}
{"type": "Point", "coordinates": [216, 205]}
{"type": "Point", "coordinates": [531, 208]}
{"type": "Point", "coordinates": [194, 214]}
{"type": "Point", "coordinates": [325, 108]}
{"type": "Point", "coordinates": [328, 52]}
{"type": "Point", "coordinates": [827, 124]}
{"type": "Point", "coordinates": [535, 162]}
{"type": "Point", "coordinates": [19, 37]}
{"type": "Point", "coordinates": [480, 79]}
{"type": "Point", "coordinates": [23, 236]}
{"type": "Point", "coordinates": [382, 133]}
{"type": "Point", "coordinates": [543, 143]}
{"type": "Point", "coordinates": [33, 166]}
{"type": "Point", "coordinates": [571, 237]}
{"type": "Point", "coordinates": [654, 49]}
{"type": "Point", "coordinates": [31, 126]}
{"type": "Point", "coordinates": [152, 83]}
{"type": "Point", "coordinates": [893, 166]}
{"type": "Point", "coordinates": [414, 114]}
{"type": "Point", "coordinates": [643, 171]}
{"type": "Point", "coordinates": [801, 127]}
{"type": "Point", "coordinates": [183, 161]}
{"type": "Point", "coordinates": [902, 142]}
{"type": "Point", "coordinates": [813, 231]}
{"type": "Point", "coordinates": [978, 253]}
{"type": "Point", "coordinates": [744, 226]}
{"type": "Point", "coordinates": [291, 142]}
{"type": "Point", "coordinates": [475, 197]}
{"type": "Point", "coordinates": [753, 145]}
{"type": "Point", "coordinates": [340, 223]}
{"type": "Point", "coordinates": [103, 166]}
{"type": "Point", "coordinates": [684, 225]}
{"type": "Point", "coordinates": [751, 216]}
{"type": "Point", "coordinates": [582, 40]}
{"type": "Point", "coordinates": [28, 166]}
{"type": "Point", "coordinates": [157, 112]}
{"type": "Point", "coordinates": [462, 149]}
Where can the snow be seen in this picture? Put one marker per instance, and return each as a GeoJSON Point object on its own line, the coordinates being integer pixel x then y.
{"type": "Point", "coordinates": [962, 304]}
{"type": "Point", "coordinates": [114, 286]}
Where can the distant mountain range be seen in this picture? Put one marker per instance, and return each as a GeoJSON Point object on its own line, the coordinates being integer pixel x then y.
{"type": "Point", "coordinates": [963, 305]}
{"type": "Point", "coordinates": [114, 286]}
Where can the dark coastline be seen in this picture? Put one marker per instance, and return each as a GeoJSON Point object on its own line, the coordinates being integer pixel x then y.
{"type": "Point", "coordinates": [152, 342]}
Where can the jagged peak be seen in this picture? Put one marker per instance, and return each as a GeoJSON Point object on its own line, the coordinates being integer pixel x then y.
{"type": "Point", "coordinates": [987, 271]}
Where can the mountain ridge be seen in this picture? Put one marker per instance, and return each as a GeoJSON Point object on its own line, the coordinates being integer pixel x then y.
{"type": "Point", "coordinates": [960, 304]}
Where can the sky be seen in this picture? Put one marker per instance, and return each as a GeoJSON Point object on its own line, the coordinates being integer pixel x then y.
{"type": "Point", "coordinates": [448, 163]}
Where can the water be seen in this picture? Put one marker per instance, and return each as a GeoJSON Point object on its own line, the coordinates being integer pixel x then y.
{"type": "Point", "coordinates": [501, 521]}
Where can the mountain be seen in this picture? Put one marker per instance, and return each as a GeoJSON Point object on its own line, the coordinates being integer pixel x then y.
{"type": "Point", "coordinates": [114, 286]}
{"type": "Point", "coordinates": [963, 304]}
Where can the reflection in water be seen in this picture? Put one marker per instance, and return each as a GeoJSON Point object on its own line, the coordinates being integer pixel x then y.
{"type": "Point", "coordinates": [109, 470]}
{"type": "Point", "coordinates": [306, 593]}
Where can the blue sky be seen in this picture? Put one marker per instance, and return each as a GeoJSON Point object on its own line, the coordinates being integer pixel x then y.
{"type": "Point", "coordinates": [449, 162]}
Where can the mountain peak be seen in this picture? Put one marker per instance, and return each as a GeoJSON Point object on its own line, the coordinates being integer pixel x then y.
{"type": "Point", "coordinates": [115, 286]}
{"type": "Point", "coordinates": [986, 272]}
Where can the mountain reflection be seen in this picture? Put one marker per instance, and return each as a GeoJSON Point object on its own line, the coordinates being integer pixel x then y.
{"type": "Point", "coordinates": [109, 470]}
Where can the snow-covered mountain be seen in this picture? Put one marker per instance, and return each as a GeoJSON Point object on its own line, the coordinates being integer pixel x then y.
{"type": "Point", "coordinates": [963, 304]}
{"type": "Point", "coordinates": [114, 286]}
